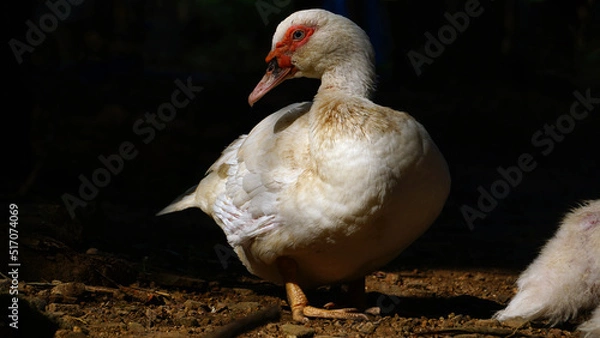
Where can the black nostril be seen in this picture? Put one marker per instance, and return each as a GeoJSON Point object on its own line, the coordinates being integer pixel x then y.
{"type": "Point", "coordinates": [273, 65]}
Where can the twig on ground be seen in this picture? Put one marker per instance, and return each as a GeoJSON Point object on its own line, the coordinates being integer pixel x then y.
{"type": "Point", "coordinates": [247, 323]}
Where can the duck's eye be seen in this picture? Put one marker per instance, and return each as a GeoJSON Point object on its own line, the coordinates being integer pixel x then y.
{"type": "Point", "coordinates": [298, 34]}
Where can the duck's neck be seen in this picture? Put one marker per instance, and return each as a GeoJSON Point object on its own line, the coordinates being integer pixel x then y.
{"type": "Point", "coordinates": [354, 76]}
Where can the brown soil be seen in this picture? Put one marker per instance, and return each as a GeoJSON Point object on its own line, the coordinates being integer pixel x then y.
{"type": "Point", "coordinates": [90, 293]}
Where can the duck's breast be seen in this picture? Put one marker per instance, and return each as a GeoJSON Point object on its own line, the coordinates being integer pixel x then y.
{"type": "Point", "coordinates": [359, 200]}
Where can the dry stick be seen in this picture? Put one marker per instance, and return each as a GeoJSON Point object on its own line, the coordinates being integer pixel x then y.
{"type": "Point", "coordinates": [41, 284]}
{"type": "Point", "coordinates": [88, 288]}
{"type": "Point", "coordinates": [247, 323]}
{"type": "Point", "coordinates": [133, 291]}
{"type": "Point", "coordinates": [156, 292]}
{"type": "Point", "coordinates": [99, 289]}
{"type": "Point", "coordinates": [139, 294]}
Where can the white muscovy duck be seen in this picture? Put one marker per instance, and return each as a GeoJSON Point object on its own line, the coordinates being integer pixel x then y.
{"type": "Point", "coordinates": [326, 191]}
{"type": "Point", "coordinates": [565, 278]}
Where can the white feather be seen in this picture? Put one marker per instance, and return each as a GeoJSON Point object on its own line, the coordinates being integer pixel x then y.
{"type": "Point", "coordinates": [565, 278]}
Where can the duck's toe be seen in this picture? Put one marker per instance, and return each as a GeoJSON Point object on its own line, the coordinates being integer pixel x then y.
{"type": "Point", "coordinates": [346, 313]}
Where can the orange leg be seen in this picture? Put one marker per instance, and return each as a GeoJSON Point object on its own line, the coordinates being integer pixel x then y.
{"type": "Point", "coordinates": [298, 301]}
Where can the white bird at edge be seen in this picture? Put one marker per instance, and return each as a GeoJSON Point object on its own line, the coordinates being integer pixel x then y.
{"type": "Point", "coordinates": [564, 280]}
{"type": "Point", "coordinates": [326, 191]}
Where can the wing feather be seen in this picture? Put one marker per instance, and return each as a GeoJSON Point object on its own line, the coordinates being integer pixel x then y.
{"type": "Point", "coordinates": [256, 173]}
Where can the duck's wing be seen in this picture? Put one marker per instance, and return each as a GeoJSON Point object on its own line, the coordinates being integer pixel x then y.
{"type": "Point", "coordinates": [241, 189]}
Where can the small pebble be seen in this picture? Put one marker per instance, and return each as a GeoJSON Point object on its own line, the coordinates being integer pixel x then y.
{"type": "Point", "coordinates": [218, 307]}
{"type": "Point", "coordinates": [514, 322]}
{"type": "Point", "coordinates": [297, 331]}
{"type": "Point", "coordinates": [69, 289]}
{"type": "Point", "coordinates": [194, 305]}
{"type": "Point", "coordinates": [188, 322]}
{"type": "Point", "coordinates": [92, 251]}
{"type": "Point", "coordinates": [135, 327]}
{"type": "Point", "coordinates": [367, 328]}
{"type": "Point", "coordinates": [243, 292]}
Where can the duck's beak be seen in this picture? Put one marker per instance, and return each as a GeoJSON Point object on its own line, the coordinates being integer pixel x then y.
{"type": "Point", "coordinates": [273, 77]}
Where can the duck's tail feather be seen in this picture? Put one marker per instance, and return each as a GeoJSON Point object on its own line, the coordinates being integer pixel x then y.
{"type": "Point", "coordinates": [186, 200]}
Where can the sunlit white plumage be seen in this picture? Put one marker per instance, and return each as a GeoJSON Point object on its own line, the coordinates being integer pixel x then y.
{"type": "Point", "coordinates": [339, 185]}
{"type": "Point", "coordinates": [565, 278]}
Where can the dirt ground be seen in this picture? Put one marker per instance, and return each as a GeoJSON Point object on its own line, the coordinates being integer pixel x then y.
{"type": "Point", "coordinates": [428, 303]}
{"type": "Point", "coordinates": [416, 303]}
{"type": "Point", "coordinates": [91, 293]}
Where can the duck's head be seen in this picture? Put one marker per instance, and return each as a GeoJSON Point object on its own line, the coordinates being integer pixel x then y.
{"type": "Point", "coordinates": [312, 43]}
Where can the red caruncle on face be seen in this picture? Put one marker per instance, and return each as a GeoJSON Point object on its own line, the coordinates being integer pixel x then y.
{"type": "Point", "coordinates": [294, 38]}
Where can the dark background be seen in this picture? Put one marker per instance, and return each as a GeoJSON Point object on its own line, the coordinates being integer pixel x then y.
{"type": "Point", "coordinates": [79, 93]}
